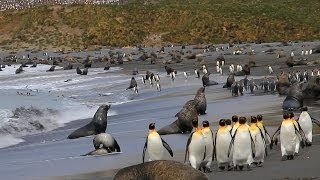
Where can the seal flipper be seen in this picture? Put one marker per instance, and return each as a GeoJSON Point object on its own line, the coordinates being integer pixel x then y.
{"type": "Point", "coordinates": [172, 128]}
{"type": "Point", "coordinates": [86, 130]}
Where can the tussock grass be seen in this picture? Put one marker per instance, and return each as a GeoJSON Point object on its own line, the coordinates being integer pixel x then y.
{"type": "Point", "coordinates": [170, 21]}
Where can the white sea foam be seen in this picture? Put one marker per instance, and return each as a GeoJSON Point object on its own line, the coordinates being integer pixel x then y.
{"type": "Point", "coordinates": [9, 140]}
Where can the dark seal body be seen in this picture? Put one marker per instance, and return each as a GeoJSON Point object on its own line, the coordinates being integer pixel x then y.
{"type": "Point", "coordinates": [206, 81]}
{"type": "Point", "coordinates": [200, 101]}
{"type": "Point", "coordinates": [230, 81]}
{"type": "Point", "coordinates": [96, 126]}
{"type": "Point", "coordinates": [161, 169]}
{"type": "Point", "coordinates": [184, 122]}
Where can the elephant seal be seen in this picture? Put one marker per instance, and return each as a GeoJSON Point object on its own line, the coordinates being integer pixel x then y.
{"type": "Point", "coordinates": [206, 81]}
{"type": "Point", "coordinates": [160, 169]}
{"type": "Point", "coordinates": [108, 142]}
{"type": "Point", "coordinates": [230, 81]}
{"type": "Point", "coordinates": [200, 101]}
{"type": "Point", "coordinates": [184, 122]}
{"type": "Point", "coordinates": [96, 126]}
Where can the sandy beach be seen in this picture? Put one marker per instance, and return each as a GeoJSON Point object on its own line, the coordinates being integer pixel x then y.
{"type": "Point", "coordinates": [50, 155]}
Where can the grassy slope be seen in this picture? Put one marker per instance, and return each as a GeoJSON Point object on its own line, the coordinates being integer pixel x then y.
{"type": "Point", "coordinates": [175, 21]}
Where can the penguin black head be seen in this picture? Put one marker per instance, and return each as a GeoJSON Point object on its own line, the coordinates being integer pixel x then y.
{"type": "Point", "coordinates": [235, 118]}
{"type": "Point", "coordinates": [253, 119]}
{"type": "Point", "coordinates": [132, 78]}
{"type": "Point", "coordinates": [228, 121]}
{"type": "Point", "coordinates": [205, 124]}
{"type": "Point", "coordinates": [152, 126]}
{"type": "Point", "coordinates": [305, 108]}
{"type": "Point", "coordinates": [222, 122]}
{"type": "Point", "coordinates": [242, 120]}
{"type": "Point", "coordinates": [195, 123]}
{"type": "Point", "coordinates": [291, 114]}
{"type": "Point", "coordinates": [285, 116]}
{"type": "Point", "coordinates": [259, 117]}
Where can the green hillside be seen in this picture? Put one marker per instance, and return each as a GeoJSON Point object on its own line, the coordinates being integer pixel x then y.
{"type": "Point", "coordinates": [167, 21]}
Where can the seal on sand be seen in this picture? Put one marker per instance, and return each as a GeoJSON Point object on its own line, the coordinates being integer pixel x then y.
{"type": "Point", "coordinates": [184, 122]}
{"type": "Point", "coordinates": [200, 101]}
{"type": "Point", "coordinates": [161, 169]}
{"type": "Point", "coordinates": [230, 81]}
{"type": "Point", "coordinates": [206, 81]}
{"type": "Point", "coordinates": [96, 126]}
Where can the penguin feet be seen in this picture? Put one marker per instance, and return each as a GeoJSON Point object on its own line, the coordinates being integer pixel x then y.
{"type": "Point", "coordinates": [284, 158]}
{"type": "Point", "coordinates": [241, 168]}
{"type": "Point", "coordinates": [296, 154]}
{"type": "Point", "coordinates": [290, 157]}
{"type": "Point", "coordinates": [248, 167]}
{"type": "Point", "coordinates": [230, 167]}
{"type": "Point", "coordinates": [308, 144]}
{"type": "Point", "coordinates": [221, 168]}
{"type": "Point", "coordinates": [260, 164]}
{"type": "Point", "coordinates": [207, 170]}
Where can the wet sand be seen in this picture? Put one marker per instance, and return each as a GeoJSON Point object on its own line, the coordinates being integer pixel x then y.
{"type": "Point", "coordinates": [52, 156]}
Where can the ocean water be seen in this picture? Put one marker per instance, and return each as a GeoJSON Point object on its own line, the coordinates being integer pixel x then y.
{"type": "Point", "coordinates": [55, 98]}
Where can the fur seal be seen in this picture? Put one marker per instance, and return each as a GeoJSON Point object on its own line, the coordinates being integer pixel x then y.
{"type": "Point", "coordinates": [69, 66]}
{"type": "Point", "coordinates": [19, 70]}
{"type": "Point", "coordinates": [85, 71]}
{"type": "Point", "coordinates": [34, 64]}
{"type": "Point", "coordinates": [170, 70]}
{"type": "Point", "coordinates": [200, 101]}
{"type": "Point", "coordinates": [96, 126]}
{"type": "Point", "coordinates": [206, 81]}
{"type": "Point", "coordinates": [184, 122]}
{"type": "Point", "coordinates": [230, 81]}
{"type": "Point", "coordinates": [51, 68]}
{"type": "Point", "coordinates": [78, 70]}
{"type": "Point", "coordinates": [108, 142]}
{"type": "Point", "coordinates": [160, 169]}
{"type": "Point", "coordinates": [133, 85]}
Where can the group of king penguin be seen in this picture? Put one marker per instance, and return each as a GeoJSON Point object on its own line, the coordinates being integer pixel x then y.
{"type": "Point", "coordinates": [236, 143]}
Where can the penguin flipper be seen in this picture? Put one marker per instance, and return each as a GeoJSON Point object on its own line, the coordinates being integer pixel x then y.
{"type": "Point", "coordinates": [317, 122]}
{"type": "Point", "coordinates": [298, 133]}
{"type": "Point", "coordinates": [187, 147]}
{"type": "Point", "coordinates": [205, 153]}
{"type": "Point", "coordinates": [116, 146]}
{"type": "Point", "coordinates": [267, 134]}
{"type": "Point", "coordinates": [166, 145]}
{"type": "Point", "coordinates": [274, 136]}
{"type": "Point", "coordinates": [214, 147]}
{"type": "Point", "coordinates": [232, 141]}
{"type": "Point", "coordinates": [253, 149]}
{"type": "Point", "coordinates": [144, 149]}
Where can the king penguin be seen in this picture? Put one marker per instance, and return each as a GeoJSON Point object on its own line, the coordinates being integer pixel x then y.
{"type": "Point", "coordinates": [195, 149]}
{"type": "Point", "coordinates": [264, 131]}
{"type": "Point", "coordinates": [288, 137]}
{"type": "Point", "coordinates": [222, 140]}
{"type": "Point", "coordinates": [154, 144]}
{"type": "Point", "coordinates": [306, 125]}
{"type": "Point", "coordinates": [209, 144]}
{"type": "Point", "coordinates": [243, 146]}
{"type": "Point", "coordinates": [259, 142]}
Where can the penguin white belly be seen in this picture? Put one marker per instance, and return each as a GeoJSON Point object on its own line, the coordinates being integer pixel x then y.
{"type": "Point", "coordinates": [196, 151]}
{"type": "Point", "coordinates": [259, 147]}
{"type": "Point", "coordinates": [288, 139]}
{"type": "Point", "coordinates": [306, 125]}
{"type": "Point", "coordinates": [208, 142]}
{"type": "Point", "coordinates": [222, 146]}
{"type": "Point", "coordinates": [155, 148]}
{"type": "Point", "coordinates": [242, 152]}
